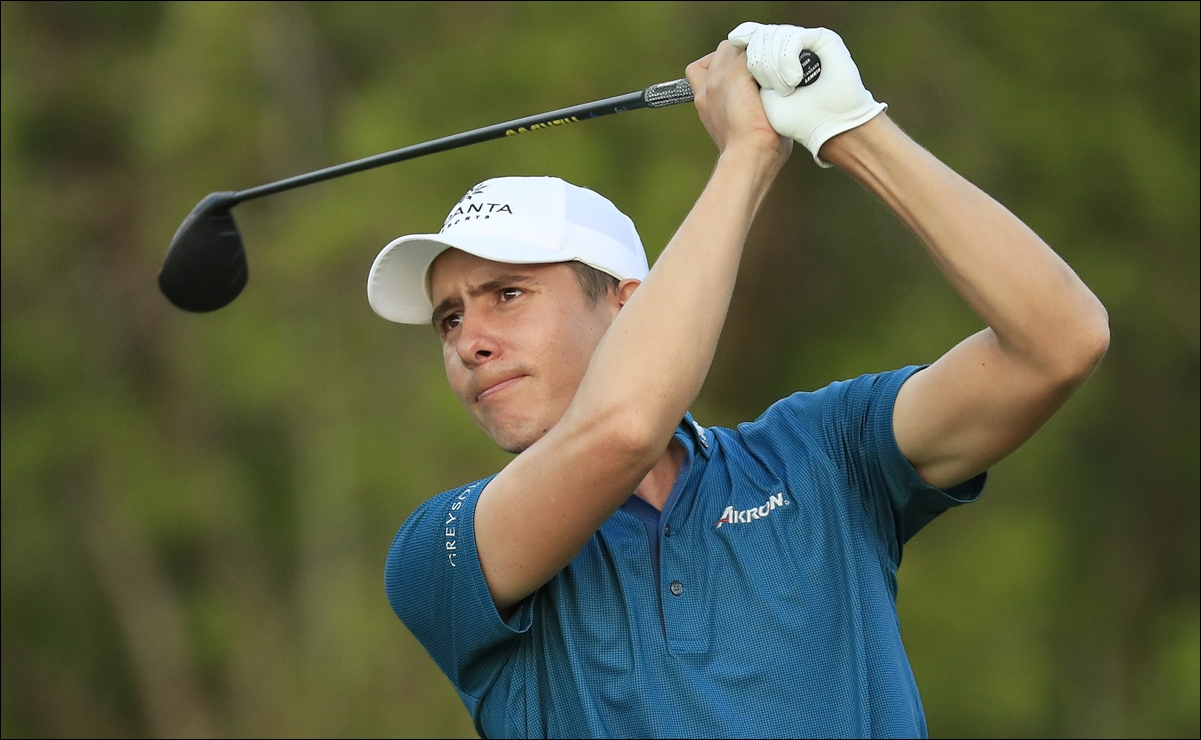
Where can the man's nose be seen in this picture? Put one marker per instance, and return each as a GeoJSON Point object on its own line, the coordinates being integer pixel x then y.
{"type": "Point", "coordinates": [478, 340]}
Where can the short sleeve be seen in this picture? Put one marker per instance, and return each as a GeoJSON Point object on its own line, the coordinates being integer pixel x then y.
{"type": "Point", "coordinates": [852, 421]}
{"type": "Point", "coordinates": [436, 586]}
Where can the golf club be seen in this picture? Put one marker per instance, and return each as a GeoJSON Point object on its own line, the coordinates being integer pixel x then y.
{"type": "Point", "coordinates": [205, 268]}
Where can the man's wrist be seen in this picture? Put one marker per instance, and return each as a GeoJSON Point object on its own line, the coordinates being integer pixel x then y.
{"type": "Point", "coordinates": [860, 147]}
{"type": "Point", "coordinates": [759, 161]}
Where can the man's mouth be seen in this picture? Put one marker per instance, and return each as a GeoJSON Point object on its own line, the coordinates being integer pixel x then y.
{"type": "Point", "coordinates": [495, 388]}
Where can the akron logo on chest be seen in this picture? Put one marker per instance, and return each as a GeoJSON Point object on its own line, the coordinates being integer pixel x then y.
{"type": "Point", "coordinates": [746, 516]}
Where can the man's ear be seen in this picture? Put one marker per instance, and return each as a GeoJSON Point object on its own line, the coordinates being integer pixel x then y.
{"type": "Point", "coordinates": [625, 289]}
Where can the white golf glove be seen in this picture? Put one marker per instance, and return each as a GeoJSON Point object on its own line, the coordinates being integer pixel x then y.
{"type": "Point", "coordinates": [836, 102]}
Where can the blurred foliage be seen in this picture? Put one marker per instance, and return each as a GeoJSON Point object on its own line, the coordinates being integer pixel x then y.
{"type": "Point", "coordinates": [196, 509]}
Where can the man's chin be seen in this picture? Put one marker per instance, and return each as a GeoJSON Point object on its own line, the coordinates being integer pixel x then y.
{"type": "Point", "coordinates": [515, 444]}
{"type": "Point", "coordinates": [516, 438]}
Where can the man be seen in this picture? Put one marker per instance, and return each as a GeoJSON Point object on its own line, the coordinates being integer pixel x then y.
{"type": "Point", "coordinates": [631, 574]}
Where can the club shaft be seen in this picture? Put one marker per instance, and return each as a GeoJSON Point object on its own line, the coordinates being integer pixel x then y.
{"type": "Point", "coordinates": [655, 96]}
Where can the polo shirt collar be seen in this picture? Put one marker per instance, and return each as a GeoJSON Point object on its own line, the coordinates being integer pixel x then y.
{"type": "Point", "coordinates": [695, 437]}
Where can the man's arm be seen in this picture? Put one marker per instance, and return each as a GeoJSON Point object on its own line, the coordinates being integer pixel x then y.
{"type": "Point", "coordinates": [1046, 330]}
{"type": "Point", "coordinates": [648, 367]}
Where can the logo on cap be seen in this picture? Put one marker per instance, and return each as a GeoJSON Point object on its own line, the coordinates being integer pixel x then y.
{"type": "Point", "coordinates": [465, 209]}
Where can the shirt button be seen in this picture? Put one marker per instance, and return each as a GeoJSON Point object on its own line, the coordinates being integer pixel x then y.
{"type": "Point", "coordinates": [667, 531]}
{"type": "Point", "coordinates": [676, 588]}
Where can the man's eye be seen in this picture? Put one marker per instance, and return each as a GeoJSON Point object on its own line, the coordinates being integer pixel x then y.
{"type": "Point", "coordinates": [452, 322]}
{"type": "Point", "coordinates": [509, 294]}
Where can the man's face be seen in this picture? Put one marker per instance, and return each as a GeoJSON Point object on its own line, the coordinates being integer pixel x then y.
{"type": "Point", "coordinates": [516, 340]}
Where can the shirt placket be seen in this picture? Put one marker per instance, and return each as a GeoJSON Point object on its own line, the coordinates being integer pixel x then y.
{"type": "Point", "coordinates": [680, 593]}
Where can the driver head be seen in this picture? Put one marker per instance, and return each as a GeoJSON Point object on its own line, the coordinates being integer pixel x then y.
{"type": "Point", "coordinates": [205, 267]}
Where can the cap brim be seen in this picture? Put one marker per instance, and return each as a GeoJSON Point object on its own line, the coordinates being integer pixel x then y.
{"type": "Point", "coordinates": [396, 283]}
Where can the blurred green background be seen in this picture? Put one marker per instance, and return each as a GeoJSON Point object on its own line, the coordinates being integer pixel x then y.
{"type": "Point", "coordinates": [196, 509]}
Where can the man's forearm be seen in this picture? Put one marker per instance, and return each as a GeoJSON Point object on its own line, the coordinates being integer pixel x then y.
{"type": "Point", "coordinates": [1041, 312]}
{"type": "Point", "coordinates": [649, 365]}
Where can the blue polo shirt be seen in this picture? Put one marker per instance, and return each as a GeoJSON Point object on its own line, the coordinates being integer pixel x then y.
{"type": "Point", "coordinates": [761, 602]}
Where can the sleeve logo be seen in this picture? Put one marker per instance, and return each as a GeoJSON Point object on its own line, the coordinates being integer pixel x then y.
{"type": "Point", "coordinates": [450, 530]}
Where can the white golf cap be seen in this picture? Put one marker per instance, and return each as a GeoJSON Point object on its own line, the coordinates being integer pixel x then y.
{"type": "Point", "coordinates": [518, 220]}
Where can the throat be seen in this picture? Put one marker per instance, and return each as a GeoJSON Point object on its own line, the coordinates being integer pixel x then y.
{"type": "Point", "coordinates": [656, 487]}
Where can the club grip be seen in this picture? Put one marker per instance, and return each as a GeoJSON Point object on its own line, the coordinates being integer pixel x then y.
{"type": "Point", "coordinates": [679, 91]}
{"type": "Point", "coordinates": [667, 93]}
{"type": "Point", "coordinates": [811, 68]}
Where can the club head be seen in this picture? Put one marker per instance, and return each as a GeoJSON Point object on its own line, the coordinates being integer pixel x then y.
{"type": "Point", "coordinates": [205, 268]}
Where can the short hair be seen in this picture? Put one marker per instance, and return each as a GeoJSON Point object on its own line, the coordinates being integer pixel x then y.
{"type": "Point", "coordinates": [593, 282]}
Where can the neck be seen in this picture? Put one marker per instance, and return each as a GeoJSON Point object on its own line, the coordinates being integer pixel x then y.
{"type": "Point", "coordinates": [656, 486]}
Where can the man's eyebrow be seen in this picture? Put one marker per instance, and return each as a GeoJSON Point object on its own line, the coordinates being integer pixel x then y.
{"type": "Point", "coordinates": [498, 283]}
{"type": "Point", "coordinates": [448, 304]}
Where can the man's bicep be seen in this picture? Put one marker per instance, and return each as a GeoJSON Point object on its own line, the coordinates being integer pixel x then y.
{"type": "Point", "coordinates": [970, 409]}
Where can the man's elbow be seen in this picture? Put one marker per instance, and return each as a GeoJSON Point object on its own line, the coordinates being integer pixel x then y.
{"type": "Point", "coordinates": [639, 438]}
{"type": "Point", "coordinates": [1099, 339]}
{"type": "Point", "coordinates": [1084, 347]}
{"type": "Point", "coordinates": [627, 434]}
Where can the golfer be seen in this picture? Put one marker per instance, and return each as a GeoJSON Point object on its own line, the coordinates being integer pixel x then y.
{"type": "Point", "coordinates": [633, 573]}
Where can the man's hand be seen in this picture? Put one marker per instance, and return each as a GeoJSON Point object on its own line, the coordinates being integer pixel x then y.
{"type": "Point", "coordinates": [836, 102]}
{"type": "Point", "coordinates": [727, 101]}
